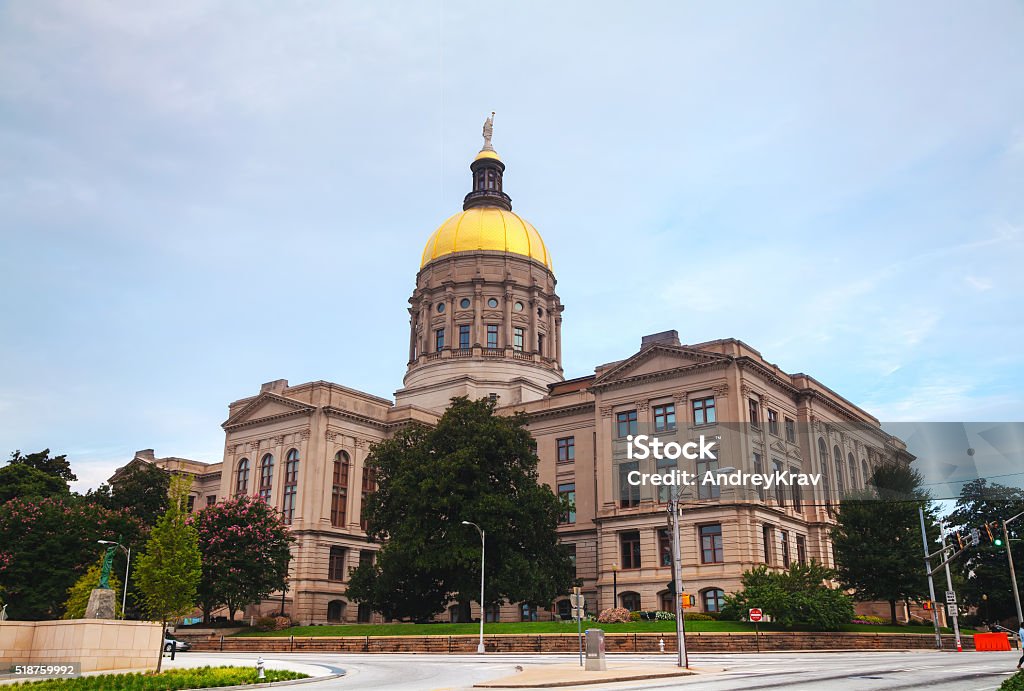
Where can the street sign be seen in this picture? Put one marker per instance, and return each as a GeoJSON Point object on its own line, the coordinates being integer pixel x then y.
{"type": "Point", "coordinates": [952, 609]}
{"type": "Point", "coordinates": [574, 600]}
{"type": "Point", "coordinates": [755, 614]}
{"type": "Point", "coordinates": [975, 537]}
{"type": "Point", "coordinates": [950, 597]}
{"type": "Point", "coordinates": [577, 613]}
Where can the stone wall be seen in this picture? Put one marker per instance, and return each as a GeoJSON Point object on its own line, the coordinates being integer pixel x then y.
{"type": "Point", "coordinates": [96, 644]}
{"type": "Point", "coordinates": [568, 643]}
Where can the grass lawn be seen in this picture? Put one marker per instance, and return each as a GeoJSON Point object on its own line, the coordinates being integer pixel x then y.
{"type": "Point", "coordinates": [551, 627]}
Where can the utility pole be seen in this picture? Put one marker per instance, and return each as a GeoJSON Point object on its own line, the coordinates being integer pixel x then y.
{"type": "Point", "coordinates": [683, 659]}
{"type": "Point", "coordinates": [949, 587]}
{"type": "Point", "coordinates": [931, 581]}
{"type": "Point", "coordinates": [1013, 573]}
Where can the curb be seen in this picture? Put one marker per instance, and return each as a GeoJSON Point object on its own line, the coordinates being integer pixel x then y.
{"type": "Point", "coordinates": [289, 682]}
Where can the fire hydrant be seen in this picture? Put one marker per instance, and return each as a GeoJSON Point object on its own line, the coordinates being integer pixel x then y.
{"type": "Point", "coordinates": [661, 645]}
{"type": "Point", "coordinates": [259, 669]}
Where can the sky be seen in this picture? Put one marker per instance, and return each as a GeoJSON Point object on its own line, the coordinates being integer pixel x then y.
{"type": "Point", "coordinates": [200, 197]}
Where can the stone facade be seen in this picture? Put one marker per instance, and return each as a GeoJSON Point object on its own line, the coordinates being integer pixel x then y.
{"type": "Point", "coordinates": [485, 321]}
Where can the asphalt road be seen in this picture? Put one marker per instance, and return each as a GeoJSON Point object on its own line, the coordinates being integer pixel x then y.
{"type": "Point", "coordinates": [858, 671]}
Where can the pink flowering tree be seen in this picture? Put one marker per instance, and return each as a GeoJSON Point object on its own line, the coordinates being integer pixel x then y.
{"type": "Point", "coordinates": [246, 548]}
{"type": "Point", "coordinates": [47, 544]}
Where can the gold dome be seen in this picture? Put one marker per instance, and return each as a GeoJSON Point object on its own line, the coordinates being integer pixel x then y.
{"type": "Point", "coordinates": [487, 153]}
{"type": "Point", "coordinates": [486, 228]}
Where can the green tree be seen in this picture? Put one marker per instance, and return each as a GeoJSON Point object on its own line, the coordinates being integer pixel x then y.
{"type": "Point", "coordinates": [877, 538]}
{"type": "Point", "coordinates": [57, 466]}
{"type": "Point", "coordinates": [78, 594]}
{"type": "Point", "coordinates": [141, 490]}
{"type": "Point", "coordinates": [983, 567]}
{"type": "Point", "coordinates": [473, 466]}
{"type": "Point", "coordinates": [20, 480]}
{"type": "Point", "coordinates": [168, 571]}
{"type": "Point", "coordinates": [245, 547]}
{"type": "Point", "coordinates": [46, 544]}
{"type": "Point", "coordinates": [797, 597]}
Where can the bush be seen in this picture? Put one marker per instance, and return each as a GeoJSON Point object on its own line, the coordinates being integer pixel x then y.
{"type": "Point", "coordinates": [281, 623]}
{"type": "Point", "coordinates": [200, 677]}
{"type": "Point", "coordinates": [1014, 683]}
{"type": "Point", "coordinates": [868, 619]}
{"type": "Point", "coordinates": [795, 597]}
{"type": "Point", "coordinates": [614, 615]}
{"type": "Point", "coordinates": [662, 615]}
{"type": "Point", "coordinates": [266, 624]}
{"type": "Point", "coordinates": [634, 616]}
{"type": "Point", "coordinates": [696, 616]}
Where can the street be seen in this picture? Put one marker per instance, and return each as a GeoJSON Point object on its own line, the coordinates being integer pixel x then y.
{"type": "Point", "coordinates": [850, 671]}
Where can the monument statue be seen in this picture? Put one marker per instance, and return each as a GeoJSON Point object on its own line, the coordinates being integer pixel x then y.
{"type": "Point", "coordinates": [108, 561]}
{"type": "Point", "coordinates": [488, 133]}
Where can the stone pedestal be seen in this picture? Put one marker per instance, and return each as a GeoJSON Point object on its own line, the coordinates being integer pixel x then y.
{"type": "Point", "coordinates": [101, 604]}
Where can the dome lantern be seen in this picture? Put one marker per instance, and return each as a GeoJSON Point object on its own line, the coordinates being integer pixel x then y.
{"type": "Point", "coordinates": [487, 171]}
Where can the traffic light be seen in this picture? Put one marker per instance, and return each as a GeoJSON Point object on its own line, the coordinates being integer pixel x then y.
{"type": "Point", "coordinates": [987, 535]}
{"type": "Point", "coordinates": [997, 534]}
{"type": "Point", "coordinates": [960, 541]}
{"type": "Point", "coordinates": [928, 606]}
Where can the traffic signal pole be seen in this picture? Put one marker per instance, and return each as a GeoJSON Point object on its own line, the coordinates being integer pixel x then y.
{"type": "Point", "coordinates": [949, 587]}
{"type": "Point", "coordinates": [1013, 574]}
{"type": "Point", "coordinates": [931, 581]}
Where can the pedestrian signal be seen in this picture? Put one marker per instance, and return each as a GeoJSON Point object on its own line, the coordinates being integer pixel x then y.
{"type": "Point", "coordinates": [928, 606]}
{"type": "Point", "coordinates": [687, 600]}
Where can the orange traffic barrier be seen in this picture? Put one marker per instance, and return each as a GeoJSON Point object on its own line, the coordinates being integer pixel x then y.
{"type": "Point", "coordinates": [991, 641]}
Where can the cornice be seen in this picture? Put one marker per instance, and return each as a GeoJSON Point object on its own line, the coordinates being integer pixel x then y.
{"type": "Point", "coordinates": [565, 411]}
{"type": "Point", "coordinates": [659, 376]}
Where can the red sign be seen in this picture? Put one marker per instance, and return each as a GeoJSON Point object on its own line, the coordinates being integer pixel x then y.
{"type": "Point", "coordinates": [755, 614]}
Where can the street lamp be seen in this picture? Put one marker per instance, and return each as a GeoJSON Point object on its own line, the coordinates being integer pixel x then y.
{"type": "Point", "coordinates": [483, 610]}
{"type": "Point", "coordinates": [1009, 557]}
{"type": "Point", "coordinates": [615, 585]}
{"type": "Point", "coordinates": [128, 562]}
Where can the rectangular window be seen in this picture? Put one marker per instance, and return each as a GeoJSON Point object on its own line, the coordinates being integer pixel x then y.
{"type": "Point", "coordinates": [773, 422]}
{"type": "Point", "coordinates": [625, 423]}
{"type": "Point", "coordinates": [784, 541]}
{"type": "Point", "coordinates": [664, 417]}
{"type": "Point", "coordinates": [336, 565]}
{"type": "Point", "coordinates": [795, 491]}
{"type": "Point", "coordinates": [492, 335]}
{"type": "Point", "coordinates": [629, 544]}
{"type": "Point", "coordinates": [665, 466]}
{"type": "Point", "coordinates": [464, 336]}
{"type": "Point", "coordinates": [629, 495]}
{"type": "Point", "coordinates": [711, 550]}
{"type": "Point", "coordinates": [758, 470]}
{"type": "Point", "coordinates": [703, 411]}
{"type": "Point", "coordinates": [191, 503]}
{"type": "Point", "coordinates": [707, 490]}
{"type": "Point", "coordinates": [211, 499]}
{"type": "Point", "coordinates": [790, 430]}
{"type": "Point", "coordinates": [766, 543]}
{"type": "Point", "coordinates": [566, 449]}
{"type": "Point", "coordinates": [518, 335]}
{"type": "Point", "coordinates": [801, 550]}
{"type": "Point", "coordinates": [755, 414]}
{"type": "Point", "coordinates": [369, 486]}
{"type": "Point", "coordinates": [339, 495]}
{"type": "Point", "coordinates": [438, 340]}
{"type": "Point", "coordinates": [540, 344]}
{"type": "Point", "coordinates": [288, 506]}
{"type": "Point", "coordinates": [367, 557]}
{"type": "Point", "coordinates": [664, 547]}
{"type": "Point", "coordinates": [780, 490]}
{"type": "Point", "coordinates": [567, 492]}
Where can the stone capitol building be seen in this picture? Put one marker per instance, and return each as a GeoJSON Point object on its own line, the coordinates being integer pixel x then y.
{"type": "Point", "coordinates": [485, 321]}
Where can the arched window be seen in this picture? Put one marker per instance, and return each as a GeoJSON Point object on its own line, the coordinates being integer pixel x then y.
{"type": "Point", "coordinates": [291, 485]}
{"type": "Point", "coordinates": [826, 486]}
{"type": "Point", "coordinates": [339, 490]}
{"type": "Point", "coordinates": [266, 477]}
{"type": "Point", "coordinates": [837, 456]}
{"type": "Point", "coordinates": [242, 477]}
{"type": "Point", "coordinates": [713, 599]}
{"type": "Point", "coordinates": [864, 472]}
{"type": "Point", "coordinates": [630, 601]}
{"type": "Point", "coordinates": [369, 487]}
{"type": "Point", "coordinates": [667, 601]}
{"type": "Point", "coordinates": [335, 610]}
{"type": "Point", "coordinates": [850, 461]}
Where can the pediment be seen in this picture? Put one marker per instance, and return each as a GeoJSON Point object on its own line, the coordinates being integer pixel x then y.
{"type": "Point", "coordinates": [784, 449]}
{"type": "Point", "coordinates": [657, 360]}
{"type": "Point", "coordinates": [267, 406]}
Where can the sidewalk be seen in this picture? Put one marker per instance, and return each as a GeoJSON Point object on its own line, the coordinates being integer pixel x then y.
{"type": "Point", "coordinates": [542, 676]}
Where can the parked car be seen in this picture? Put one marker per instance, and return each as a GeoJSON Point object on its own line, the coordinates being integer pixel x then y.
{"type": "Point", "coordinates": [170, 642]}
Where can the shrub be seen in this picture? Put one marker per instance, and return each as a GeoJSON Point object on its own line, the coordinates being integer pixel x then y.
{"type": "Point", "coordinates": [614, 615]}
{"type": "Point", "coordinates": [696, 616]}
{"type": "Point", "coordinates": [266, 624]}
{"type": "Point", "coordinates": [1014, 683]}
{"type": "Point", "coordinates": [662, 615]}
{"type": "Point", "coordinates": [798, 596]}
{"type": "Point", "coordinates": [281, 623]}
{"type": "Point", "coordinates": [634, 616]}
{"type": "Point", "coordinates": [868, 619]}
{"type": "Point", "coordinates": [200, 677]}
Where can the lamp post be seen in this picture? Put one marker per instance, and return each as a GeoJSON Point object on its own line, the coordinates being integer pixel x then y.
{"type": "Point", "coordinates": [1013, 573]}
{"type": "Point", "coordinates": [483, 610]}
{"type": "Point", "coordinates": [128, 562]}
{"type": "Point", "coordinates": [615, 585]}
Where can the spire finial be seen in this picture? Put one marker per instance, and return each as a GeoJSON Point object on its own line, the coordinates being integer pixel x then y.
{"type": "Point", "coordinates": [488, 133]}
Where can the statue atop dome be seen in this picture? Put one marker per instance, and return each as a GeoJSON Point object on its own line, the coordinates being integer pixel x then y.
{"type": "Point", "coordinates": [488, 133]}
